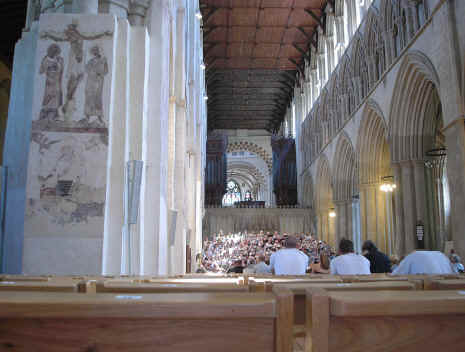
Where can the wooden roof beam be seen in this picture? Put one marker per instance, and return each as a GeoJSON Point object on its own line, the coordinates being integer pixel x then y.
{"type": "Point", "coordinates": [315, 17]}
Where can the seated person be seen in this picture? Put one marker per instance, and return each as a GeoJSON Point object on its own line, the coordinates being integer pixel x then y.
{"type": "Point", "coordinates": [349, 263]}
{"type": "Point", "coordinates": [236, 268]}
{"type": "Point", "coordinates": [261, 267]}
{"type": "Point", "coordinates": [289, 260]}
{"type": "Point", "coordinates": [457, 263]}
{"type": "Point", "coordinates": [424, 262]}
{"type": "Point", "coordinates": [379, 262]}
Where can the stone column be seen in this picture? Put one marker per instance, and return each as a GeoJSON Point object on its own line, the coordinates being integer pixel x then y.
{"type": "Point", "coordinates": [16, 151]}
{"type": "Point", "coordinates": [408, 198]}
{"type": "Point", "coordinates": [136, 75]}
{"type": "Point", "coordinates": [455, 141]}
{"type": "Point", "coordinates": [399, 235]}
{"type": "Point", "coordinates": [421, 202]}
{"type": "Point", "coordinates": [341, 220]}
{"type": "Point", "coordinates": [154, 241]}
{"type": "Point", "coordinates": [114, 205]}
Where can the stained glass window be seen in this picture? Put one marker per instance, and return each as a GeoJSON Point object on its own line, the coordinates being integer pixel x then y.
{"type": "Point", "coordinates": [232, 195]}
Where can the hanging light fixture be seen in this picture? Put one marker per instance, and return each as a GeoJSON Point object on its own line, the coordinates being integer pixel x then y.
{"type": "Point", "coordinates": [332, 213]}
{"type": "Point", "coordinates": [387, 184]}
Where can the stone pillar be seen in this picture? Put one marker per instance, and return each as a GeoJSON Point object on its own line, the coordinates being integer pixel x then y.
{"type": "Point", "coordinates": [16, 151]}
{"type": "Point", "coordinates": [408, 198]}
{"type": "Point", "coordinates": [136, 74]}
{"type": "Point", "coordinates": [455, 141]}
{"type": "Point", "coordinates": [399, 235]}
{"type": "Point", "coordinates": [341, 220]}
{"type": "Point", "coordinates": [114, 205]}
{"type": "Point", "coordinates": [421, 200]}
{"type": "Point", "coordinates": [154, 240]}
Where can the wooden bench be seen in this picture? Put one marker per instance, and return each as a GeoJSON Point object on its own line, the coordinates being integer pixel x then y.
{"type": "Point", "coordinates": [197, 322]}
{"type": "Point", "coordinates": [63, 285]}
{"type": "Point", "coordinates": [116, 286]}
{"type": "Point", "coordinates": [386, 321]}
{"type": "Point", "coordinates": [444, 284]}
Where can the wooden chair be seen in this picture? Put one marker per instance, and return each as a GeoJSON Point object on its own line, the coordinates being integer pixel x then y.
{"type": "Point", "coordinates": [386, 321]}
{"type": "Point", "coordinates": [196, 322]}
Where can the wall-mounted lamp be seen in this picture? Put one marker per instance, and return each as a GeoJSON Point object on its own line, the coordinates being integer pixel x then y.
{"type": "Point", "coordinates": [205, 97]}
{"type": "Point", "coordinates": [332, 213]}
{"type": "Point", "coordinates": [202, 66]}
{"type": "Point", "coordinates": [388, 184]}
{"type": "Point", "coordinates": [198, 15]}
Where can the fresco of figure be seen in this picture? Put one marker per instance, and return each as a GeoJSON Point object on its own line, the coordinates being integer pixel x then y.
{"type": "Point", "coordinates": [52, 66]}
{"type": "Point", "coordinates": [75, 65]}
{"type": "Point", "coordinates": [96, 69]}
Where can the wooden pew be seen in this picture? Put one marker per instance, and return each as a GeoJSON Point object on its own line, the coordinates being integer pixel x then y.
{"type": "Point", "coordinates": [15, 278]}
{"type": "Point", "coordinates": [116, 286]}
{"type": "Point", "coordinates": [62, 285]}
{"type": "Point", "coordinates": [302, 309]}
{"type": "Point", "coordinates": [197, 322]}
{"type": "Point", "coordinates": [444, 284]}
{"type": "Point", "coordinates": [386, 321]}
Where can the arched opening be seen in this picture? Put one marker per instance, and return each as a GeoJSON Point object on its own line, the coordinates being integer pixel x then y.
{"type": "Point", "coordinates": [418, 149]}
{"type": "Point", "coordinates": [325, 209]}
{"type": "Point", "coordinates": [376, 206]}
{"type": "Point", "coordinates": [232, 195]}
{"type": "Point", "coordinates": [345, 183]}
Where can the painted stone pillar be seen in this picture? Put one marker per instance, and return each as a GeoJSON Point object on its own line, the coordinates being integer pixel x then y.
{"type": "Point", "coordinates": [455, 141]}
{"type": "Point", "coordinates": [67, 172]}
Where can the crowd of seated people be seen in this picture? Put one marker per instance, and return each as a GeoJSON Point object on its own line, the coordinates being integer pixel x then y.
{"type": "Point", "coordinates": [267, 253]}
{"type": "Point", "coordinates": [251, 252]}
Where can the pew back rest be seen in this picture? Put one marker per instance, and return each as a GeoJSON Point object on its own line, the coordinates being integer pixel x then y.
{"type": "Point", "coordinates": [387, 320]}
{"type": "Point", "coordinates": [144, 322]}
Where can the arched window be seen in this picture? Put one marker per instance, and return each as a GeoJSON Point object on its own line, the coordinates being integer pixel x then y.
{"type": "Point", "coordinates": [232, 195]}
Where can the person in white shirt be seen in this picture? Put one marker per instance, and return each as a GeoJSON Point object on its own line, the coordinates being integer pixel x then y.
{"type": "Point", "coordinates": [424, 262]}
{"type": "Point", "coordinates": [289, 260]}
{"type": "Point", "coordinates": [349, 263]}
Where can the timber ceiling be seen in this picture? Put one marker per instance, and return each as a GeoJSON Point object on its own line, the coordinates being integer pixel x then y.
{"type": "Point", "coordinates": [253, 50]}
{"type": "Point", "coordinates": [12, 21]}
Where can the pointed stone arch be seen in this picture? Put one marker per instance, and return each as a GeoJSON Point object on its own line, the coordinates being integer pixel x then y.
{"type": "Point", "coordinates": [345, 185]}
{"type": "Point", "coordinates": [412, 125]}
{"type": "Point", "coordinates": [345, 175]}
{"type": "Point", "coordinates": [324, 201]}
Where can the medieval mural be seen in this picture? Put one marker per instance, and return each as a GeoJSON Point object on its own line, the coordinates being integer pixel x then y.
{"type": "Point", "coordinates": [70, 125]}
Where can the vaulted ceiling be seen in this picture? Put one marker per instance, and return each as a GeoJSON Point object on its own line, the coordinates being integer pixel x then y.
{"type": "Point", "coordinates": [253, 50]}
{"type": "Point", "coordinates": [12, 21]}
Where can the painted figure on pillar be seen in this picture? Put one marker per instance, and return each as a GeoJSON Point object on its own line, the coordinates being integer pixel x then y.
{"type": "Point", "coordinates": [96, 69]}
{"type": "Point", "coordinates": [75, 72]}
{"type": "Point", "coordinates": [52, 66]}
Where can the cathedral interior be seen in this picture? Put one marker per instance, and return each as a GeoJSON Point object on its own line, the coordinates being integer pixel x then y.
{"type": "Point", "coordinates": [134, 133]}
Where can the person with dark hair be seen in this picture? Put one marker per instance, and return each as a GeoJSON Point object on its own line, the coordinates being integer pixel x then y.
{"type": "Point", "coordinates": [379, 262]}
{"type": "Point", "coordinates": [289, 260]}
{"type": "Point", "coordinates": [349, 263]}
